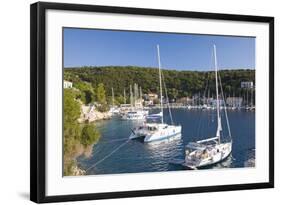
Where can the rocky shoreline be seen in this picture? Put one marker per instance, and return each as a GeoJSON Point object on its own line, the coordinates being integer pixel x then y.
{"type": "Point", "coordinates": [76, 171]}
{"type": "Point", "coordinates": [89, 114]}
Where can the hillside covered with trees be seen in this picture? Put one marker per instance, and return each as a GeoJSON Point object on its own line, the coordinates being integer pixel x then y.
{"type": "Point", "coordinates": [179, 83]}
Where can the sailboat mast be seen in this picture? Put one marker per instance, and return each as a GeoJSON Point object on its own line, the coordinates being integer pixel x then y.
{"type": "Point", "coordinates": [124, 96]}
{"type": "Point", "coordinates": [217, 93]}
{"type": "Point", "coordinates": [251, 97]}
{"type": "Point", "coordinates": [112, 96]}
{"type": "Point", "coordinates": [140, 93]}
{"type": "Point", "coordinates": [135, 94]}
{"type": "Point", "coordinates": [141, 97]}
{"type": "Point", "coordinates": [160, 82]}
{"type": "Point", "coordinates": [131, 96]}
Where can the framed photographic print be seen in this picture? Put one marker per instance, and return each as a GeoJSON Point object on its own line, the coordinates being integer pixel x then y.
{"type": "Point", "coordinates": [129, 102]}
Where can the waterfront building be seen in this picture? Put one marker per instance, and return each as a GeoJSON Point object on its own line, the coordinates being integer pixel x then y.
{"type": "Point", "coordinates": [234, 101]}
{"type": "Point", "coordinates": [150, 98]}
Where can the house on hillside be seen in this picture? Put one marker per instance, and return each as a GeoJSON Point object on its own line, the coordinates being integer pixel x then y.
{"type": "Point", "coordinates": [247, 84]}
{"type": "Point", "coordinates": [67, 84]}
{"type": "Point", "coordinates": [150, 98]}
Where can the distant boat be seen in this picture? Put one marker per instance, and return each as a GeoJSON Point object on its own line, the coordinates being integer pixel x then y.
{"type": "Point", "coordinates": [206, 107]}
{"type": "Point", "coordinates": [136, 111]}
{"type": "Point", "coordinates": [211, 150]}
{"type": "Point", "coordinates": [113, 109]}
{"type": "Point", "coordinates": [151, 132]}
{"type": "Point", "coordinates": [135, 115]}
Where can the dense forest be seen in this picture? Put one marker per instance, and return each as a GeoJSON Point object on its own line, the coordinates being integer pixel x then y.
{"type": "Point", "coordinates": [179, 83]}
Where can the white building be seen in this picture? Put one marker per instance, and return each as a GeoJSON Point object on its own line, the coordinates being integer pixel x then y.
{"type": "Point", "coordinates": [67, 84]}
{"type": "Point", "coordinates": [247, 84]}
{"type": "Point", "coordinates": [151, 96]}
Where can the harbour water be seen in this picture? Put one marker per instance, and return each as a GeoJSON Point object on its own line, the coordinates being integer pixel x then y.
{"type": "Point", "coordinates": [135, 156]}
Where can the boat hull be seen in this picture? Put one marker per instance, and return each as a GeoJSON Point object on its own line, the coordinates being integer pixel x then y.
{"type": "Point", "coordinates": [171, 131]}
{"type": "Point", "coordinates": [138, 118]}
{"type": "Point", "coordinates": [135, 115]}
{"type": "Point", "coordinates": [224, 151]}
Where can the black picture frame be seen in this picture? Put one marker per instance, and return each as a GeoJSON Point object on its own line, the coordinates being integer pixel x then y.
{"type": "Point", "coordinates": [38, 100]}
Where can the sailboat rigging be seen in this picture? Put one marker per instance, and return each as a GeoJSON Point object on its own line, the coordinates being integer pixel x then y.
{"type": "Point", "coordinates": [136, 112]}
{"type": "Point", "coordinates": [152, 132]}
{"type": "Point", "coordinates": [211, 150]}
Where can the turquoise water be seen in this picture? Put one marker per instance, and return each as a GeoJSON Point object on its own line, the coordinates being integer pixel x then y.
{"type": "Point", "coordinates": [135, 156]}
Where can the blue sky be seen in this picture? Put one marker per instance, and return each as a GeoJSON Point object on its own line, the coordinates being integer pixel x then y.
{"type": "Point", "coordinates": [90, 47]}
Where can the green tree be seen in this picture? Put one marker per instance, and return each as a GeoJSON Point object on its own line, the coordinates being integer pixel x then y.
{"type": "Point", "coordinates": [173, 93]}
{"type": "Point", "coordinates": [86, 92]}
{"type": "Point", "coordinates": [119, 100]}
{"type": "Point", "coordinates": [90, 135]}
{"type": "Point", "coordinates": [72, 130]}
{"type": "Point", "coordinates": [71, 106]}
{"type": "Point", "coordinates": [100, 94]}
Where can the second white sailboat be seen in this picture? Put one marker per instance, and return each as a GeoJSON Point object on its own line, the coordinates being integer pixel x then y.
{"type": "Point", "coordinates": [211, 150]}
{"type": "Point", "coordinates": [152, 132]}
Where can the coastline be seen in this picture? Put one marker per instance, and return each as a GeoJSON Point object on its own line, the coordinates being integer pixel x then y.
{"type": "Point", "coordinates": [90, 114]}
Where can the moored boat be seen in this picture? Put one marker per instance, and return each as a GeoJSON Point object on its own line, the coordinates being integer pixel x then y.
{"type": "Point", "coordinates": [151, 132]}
{"type": "Point", "coordinates": [211, 150]}
{"type": "Point", "coordinates": [135, 115]}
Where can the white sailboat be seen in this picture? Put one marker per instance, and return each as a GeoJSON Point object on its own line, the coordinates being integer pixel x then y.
{"type": "Point", "coordinates": [152, 132]}
{"type": "Point", "coordinates": [211, 150]}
